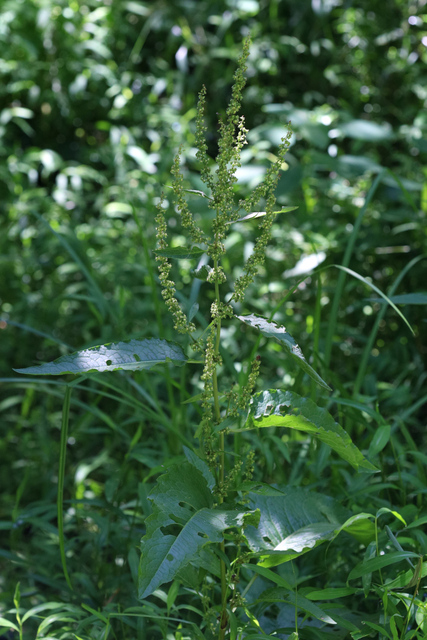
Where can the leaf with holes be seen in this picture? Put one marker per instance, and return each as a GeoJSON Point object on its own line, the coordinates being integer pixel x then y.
{"type": "Point", "coordinates": [271, 330]}
{"type": "Point", "coordinates": [131, 355]}
{"type": "Point", "coordinates": [276, 408]}
{"type": "Point", "coordinates": [182, 523]}
{"type": "Point", "coordinates": [292, 523]}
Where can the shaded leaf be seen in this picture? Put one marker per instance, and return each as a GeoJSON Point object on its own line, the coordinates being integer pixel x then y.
{"type": "Point", "coordinates": [130, 356]}
{"type": "Point", "coordinates": [182, 523]}
{"type": "Point", "coordinates": [374, 564]}
{"type": "Point", "coordinates": [201, 465]}
{"type": "Point", "coordinates": [271, 330]}
{"type": "Point", "coordinates": [410, 578]}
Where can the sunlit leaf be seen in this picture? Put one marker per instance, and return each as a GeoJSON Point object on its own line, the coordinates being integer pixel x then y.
{"type": "Point", "coordinates": [271, 330]}
{"type": "Point", "coordinates": [292, 523]}
{"type": "Point", "coordinates": [276, 408]}
{"type": "Point", "coordinates": [130, 356]}
{"type": "Point", "coordinates": [260, 214]}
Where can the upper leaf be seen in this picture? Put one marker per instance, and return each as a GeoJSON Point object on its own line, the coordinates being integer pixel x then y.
{"type": "Point", "coordinates": [276, 408]}
{"type": "Point", "coordinates": [271, 330]}
{"type": "Point", "coordinates": [131, 356]}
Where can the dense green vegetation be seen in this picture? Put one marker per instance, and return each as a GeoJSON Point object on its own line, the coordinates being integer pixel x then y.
{"type": "Point", "coordinates": [95, 101]}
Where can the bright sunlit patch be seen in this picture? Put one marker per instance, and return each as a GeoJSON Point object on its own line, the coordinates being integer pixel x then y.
{"type": "Point", "coordinates": [306, 264]}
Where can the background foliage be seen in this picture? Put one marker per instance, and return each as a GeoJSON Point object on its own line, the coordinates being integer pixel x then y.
{"type": "Point", "coordinates": [95, 99]}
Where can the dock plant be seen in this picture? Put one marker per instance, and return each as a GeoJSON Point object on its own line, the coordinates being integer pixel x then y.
{"type": "Point", "coordinates": [215, 526]}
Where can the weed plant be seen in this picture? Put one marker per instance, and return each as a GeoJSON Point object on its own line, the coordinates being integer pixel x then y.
{"type": "Point", "coordinates": [221, 548]}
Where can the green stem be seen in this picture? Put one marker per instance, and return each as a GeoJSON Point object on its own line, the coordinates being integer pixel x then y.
{"type": "Point", "coordinates": [61, 478]}
{"type": "Point", "coordinates": [221, 476]}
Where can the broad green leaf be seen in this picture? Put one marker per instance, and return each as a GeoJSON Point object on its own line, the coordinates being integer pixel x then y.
{"type": "Point", "coordinates": [276, 408]}
{"type": "Point", "coordinates": [180, 253]}
{"type": "Point", "coordinates": [380, 562]}
{"type": "Point", "coordinates": [292, 523]}
{"type": "Point", "coordinates": [130, 356]}
{"type": "Point", "coordinates": [260, 214]}
{"type": "Point", "coordinates": [182, 523]}
{"type": "Point", "coordinates": [271, 330]}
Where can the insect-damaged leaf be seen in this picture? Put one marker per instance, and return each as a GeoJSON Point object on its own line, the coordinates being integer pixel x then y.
{"type": "Point", "coordinates": [131, 356]}
{"type": "Point", "coordinates": [182, 523]}
{"type": "Point", "coordinates": [276, 408]}
{"type": "Point", "coordinates": [271, 330]}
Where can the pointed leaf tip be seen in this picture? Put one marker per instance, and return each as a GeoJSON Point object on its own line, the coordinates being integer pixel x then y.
{"type": "Point", "coordinates": [276, 408]}
{"type": "Point", "coordinates": [272, 330]}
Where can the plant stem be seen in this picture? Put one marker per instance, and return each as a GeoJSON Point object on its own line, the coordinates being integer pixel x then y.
{"type": "Point", "coordinates": [221, 476]}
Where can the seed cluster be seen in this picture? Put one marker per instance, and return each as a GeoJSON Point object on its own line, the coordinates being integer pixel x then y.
{"type": "Point", "coordinates": [220, 183]}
